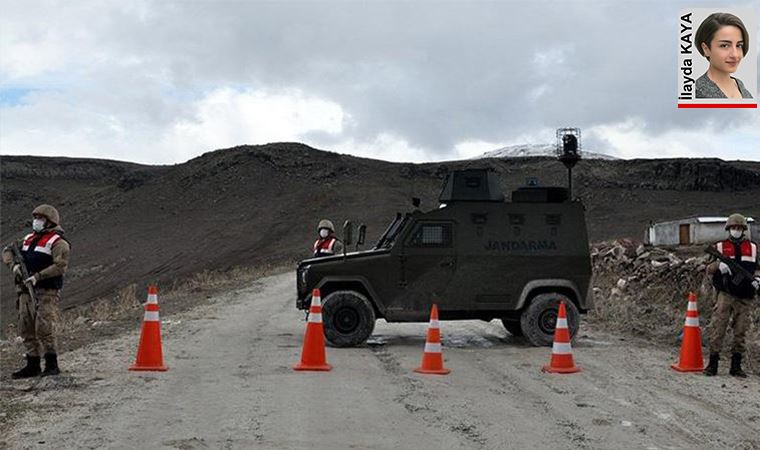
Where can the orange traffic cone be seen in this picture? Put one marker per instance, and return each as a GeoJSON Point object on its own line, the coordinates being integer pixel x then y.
{"type": "Point", "coordinates": [432, 358]}
{"type": "Point", "coordinates": [313, 354]}
{"type": "Point", "coordinates": [149, 354]}
{"type": "Point", "coordinates": [562, 352]}
{"type": "Point", "coordinates": [691, 346]}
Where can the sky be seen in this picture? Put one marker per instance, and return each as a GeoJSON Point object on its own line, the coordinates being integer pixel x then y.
{"type": "Point", "coordinates": [161, 82]}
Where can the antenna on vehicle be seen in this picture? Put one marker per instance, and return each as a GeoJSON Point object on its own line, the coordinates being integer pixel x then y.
{"type": "Point", "coordinates": [569, 152]}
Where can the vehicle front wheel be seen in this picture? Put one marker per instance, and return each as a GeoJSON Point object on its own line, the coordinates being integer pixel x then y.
{"type": "Point", "coordinates": [540, 317]}
{"type": "Point", "coordinates": [348, 318]}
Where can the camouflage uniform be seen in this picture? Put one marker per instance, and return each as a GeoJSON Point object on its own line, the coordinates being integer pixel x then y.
{"type": "Point", "coordinates": [37, 325]}
{"type": "Point", "coordinates": [729, 309]}
{"type": "Point", "coordinates": [46, 256]}
{"type": "Point", "coordinates": [733, 303]}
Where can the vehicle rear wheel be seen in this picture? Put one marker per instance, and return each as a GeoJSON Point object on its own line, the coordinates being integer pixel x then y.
{"type": "Point", "coordinates": [540, 317]}
{"type": "Point", "coordinates": [348, 318]}
{"type": "Point", "coordinates": [513, 326]}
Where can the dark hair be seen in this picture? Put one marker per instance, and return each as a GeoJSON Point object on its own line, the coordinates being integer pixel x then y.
{"type": "Point", "coordinates": [713, 23]}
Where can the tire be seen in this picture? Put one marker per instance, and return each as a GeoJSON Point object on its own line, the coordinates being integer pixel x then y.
{"type": "Point", "coordinates": [540, 317]}
{"type": "Point", "coordinates": [348, 318]}
{"type": "Point", "coordinates": [513, 327]}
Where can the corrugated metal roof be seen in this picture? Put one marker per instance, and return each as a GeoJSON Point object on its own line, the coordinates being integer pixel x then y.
{"type": "Point", "coordinates": [711, 219]}
{"type": "Point", "coordinates": [703, 219]}
{"type": "Point", "coordinates": [718, 219]}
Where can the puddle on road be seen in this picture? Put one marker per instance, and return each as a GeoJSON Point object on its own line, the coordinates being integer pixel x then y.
{"type": "Point", "coordinates": [463, 341]}
{"type": "Point", "coordinates": [376, 341]}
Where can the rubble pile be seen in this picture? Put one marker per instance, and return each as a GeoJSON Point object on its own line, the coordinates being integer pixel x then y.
{"type": "Point", "coordinates": [643, 290]}
{"type": "Point", "coordinates": [642, 267]}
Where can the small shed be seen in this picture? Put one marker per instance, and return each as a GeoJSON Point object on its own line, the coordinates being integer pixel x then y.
{"type": "Point", "coordinates": [693, 230]}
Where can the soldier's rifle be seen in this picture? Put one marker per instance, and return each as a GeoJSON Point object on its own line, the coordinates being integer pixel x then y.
{"type": "Point", "coordinates": [25, 275]}
{"type": "Point", "coordinates": [738, 273]}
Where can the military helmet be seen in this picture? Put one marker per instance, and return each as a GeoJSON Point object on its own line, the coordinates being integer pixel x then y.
{"type": "Point", "coordinates": [324, 223]}
{"type": "Point", "coordinates": [736, 220]}
{"type": "Point", "coordinates": [49, 212]}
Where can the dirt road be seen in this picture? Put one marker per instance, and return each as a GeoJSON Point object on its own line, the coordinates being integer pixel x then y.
{"type": "Point", "coordinates": [230, 385]}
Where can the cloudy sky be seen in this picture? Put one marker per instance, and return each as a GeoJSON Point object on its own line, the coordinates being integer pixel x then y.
{"type": "Point", "coordinates": [164, 81]}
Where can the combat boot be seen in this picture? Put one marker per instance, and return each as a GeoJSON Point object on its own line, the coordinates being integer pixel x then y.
{"type": "Point", "coordinates": [32, 368]}
{"type": "Point", "coordinates": [712, 368]}
{"type": "Point", "coordinates": [736, 366]}
{"type": "Point", "coordinates": [51, 365]}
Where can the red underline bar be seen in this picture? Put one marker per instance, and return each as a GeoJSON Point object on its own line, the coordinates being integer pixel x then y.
{"type": "Point", "coordinates": [717, 105]}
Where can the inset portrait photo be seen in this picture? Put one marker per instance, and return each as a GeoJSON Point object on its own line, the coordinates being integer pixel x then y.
{"type": "Point", "coordinates": [717, 59]}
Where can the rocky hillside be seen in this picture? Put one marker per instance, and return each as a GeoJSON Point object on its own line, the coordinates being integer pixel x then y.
{"type": "Point", "coordinates": [252, 205]}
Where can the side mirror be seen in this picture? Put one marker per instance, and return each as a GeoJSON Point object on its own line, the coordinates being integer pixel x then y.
{"type": "Point", "coordinates": [362, 235]}
{"type": "Point", "coordinates": [348, 232]}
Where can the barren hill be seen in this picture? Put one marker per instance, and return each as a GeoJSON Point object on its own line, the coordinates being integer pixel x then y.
{"type": "Point", "coordinates": [251, 205]}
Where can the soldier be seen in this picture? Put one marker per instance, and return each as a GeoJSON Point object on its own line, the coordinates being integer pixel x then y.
{"type": "Point", "coordinates": [327, 244]}
{"type": "Point", "coordinates": [733, 300]}
{"type": "Point", "coordinates": [46, 255]}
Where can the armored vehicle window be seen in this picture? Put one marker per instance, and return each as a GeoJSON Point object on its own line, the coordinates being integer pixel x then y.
{"type": "Point", "coordinates": [431, 235]}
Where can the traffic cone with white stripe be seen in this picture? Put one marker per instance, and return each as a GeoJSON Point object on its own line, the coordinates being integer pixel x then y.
{"type": "Point", "coordinates": [691, 359]}
{"type": "Point", "coordinates": [150, 357]}
{"type": "Point", "coordinates": [313, 353]}
{"type": "Point", "coordinates": [432, 358]}
{"type": "Point", "coordinates": [562, 351]}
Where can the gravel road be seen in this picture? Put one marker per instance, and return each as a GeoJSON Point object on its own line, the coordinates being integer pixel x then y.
{"type": "Point", "coordinates": [230, 385]}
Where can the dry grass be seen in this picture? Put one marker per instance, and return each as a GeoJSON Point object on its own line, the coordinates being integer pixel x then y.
{"type": "Point", "coordinates": [126, 302]}
{"type": "Point", "coordinates": [101, 310]}
{"type": "Point", "coordinates": [212, 279]}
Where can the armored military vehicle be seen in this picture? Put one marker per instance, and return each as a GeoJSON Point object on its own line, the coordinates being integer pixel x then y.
{"type": "Point", "coordinates": [477, 256]}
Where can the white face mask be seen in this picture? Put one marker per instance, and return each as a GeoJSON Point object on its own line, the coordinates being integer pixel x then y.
{"type": "Point", "coordinates": [736, 234]}
{"type": "Point", "coordinates": [38, 224]}
{"type": "Point", "coordinates": [324, 232]}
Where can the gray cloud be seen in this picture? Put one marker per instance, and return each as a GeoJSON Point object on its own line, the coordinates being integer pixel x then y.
{"type": "Point", "coordinates": [433, 74]}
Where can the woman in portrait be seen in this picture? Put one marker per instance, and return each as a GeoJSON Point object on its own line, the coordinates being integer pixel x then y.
{"type": "Point", "coordinates": [722, 38]}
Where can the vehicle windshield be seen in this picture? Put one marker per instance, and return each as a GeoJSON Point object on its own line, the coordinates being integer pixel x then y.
{"type": "Point", "coordinates": [392, 232]}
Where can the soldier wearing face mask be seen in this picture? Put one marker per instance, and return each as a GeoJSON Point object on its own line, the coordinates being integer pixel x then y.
{"type": "Point", "coordinates": [733, 303]}
{"type": "Point", "coordinates": [327, 244]}
{"type": "Point", "coordinates": [46, 256]}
